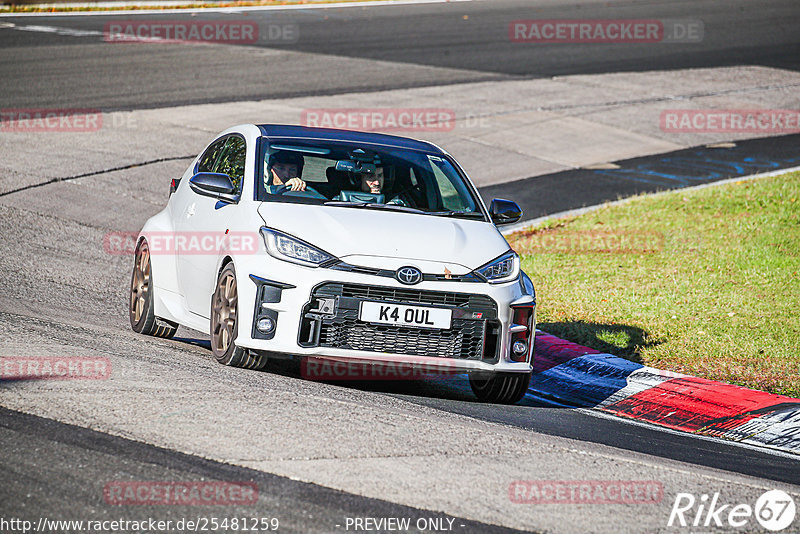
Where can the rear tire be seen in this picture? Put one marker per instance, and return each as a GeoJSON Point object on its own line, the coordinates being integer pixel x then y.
{"type": "Point", "coordinates": [140, 305]}
{"type": "Point", "coordinates": [225, 327]}
{"type": "Point", "coordinates": [500, 388]}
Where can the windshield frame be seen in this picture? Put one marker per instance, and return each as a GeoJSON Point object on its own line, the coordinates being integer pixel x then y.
{"type": "Point", "coordinates": [264, 143]}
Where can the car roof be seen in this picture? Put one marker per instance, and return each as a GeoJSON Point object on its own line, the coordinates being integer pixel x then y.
{"type": "Point", "coordinates": [330, 134]}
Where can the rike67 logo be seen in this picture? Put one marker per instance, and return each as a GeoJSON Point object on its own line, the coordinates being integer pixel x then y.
{"type": "Point", "coordinates": [774, 511]}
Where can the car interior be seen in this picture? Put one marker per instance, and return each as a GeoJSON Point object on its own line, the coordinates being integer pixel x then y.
{"type": "Point", "coordinates": [323, 177]}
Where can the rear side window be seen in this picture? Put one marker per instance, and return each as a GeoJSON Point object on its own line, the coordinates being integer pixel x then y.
{"type": "Point", "coordinates": [231, 160]}
{"type": "Point", "coordinates": [227, 156]}
{"type": "Point", "coordinates": [210, 156]}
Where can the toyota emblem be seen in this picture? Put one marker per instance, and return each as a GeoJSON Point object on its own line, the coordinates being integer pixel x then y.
{"type": "Point", "coordinates": [408, 275]}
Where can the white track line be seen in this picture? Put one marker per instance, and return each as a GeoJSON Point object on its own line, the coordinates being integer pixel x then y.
{"type": "Point", "coordinates": [51, 29]}
{"type": "Point", "coordinates": [292, 7]}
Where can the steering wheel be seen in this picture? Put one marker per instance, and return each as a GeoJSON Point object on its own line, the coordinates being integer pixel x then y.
{"type": "Point", "coordinates": [309, 192]}
{"type": "Point", "coordinates": [277, 189]}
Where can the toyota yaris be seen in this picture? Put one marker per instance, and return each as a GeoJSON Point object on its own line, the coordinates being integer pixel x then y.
{"type": "Point", "coordinates": [338, 244]}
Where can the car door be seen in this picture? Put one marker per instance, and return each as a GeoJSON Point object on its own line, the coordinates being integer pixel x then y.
{"type": "Point", "coordinates": [202, 226]}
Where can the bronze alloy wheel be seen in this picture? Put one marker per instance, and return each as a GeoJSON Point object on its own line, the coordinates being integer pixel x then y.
{"type": "Point", "coordinates": [223, 313]}
{"type": "Point", "coordinates": [140, 305]}
{"type": "Point", "coordinates": [140, 283]}
{"type": "Point", "coordinates": [224, 328]}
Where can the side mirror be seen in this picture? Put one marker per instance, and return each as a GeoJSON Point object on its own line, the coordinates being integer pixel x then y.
{"type": "Point", "coordinates": [504, 211]}
{"type": "Point", "coordinates": [214, 185]}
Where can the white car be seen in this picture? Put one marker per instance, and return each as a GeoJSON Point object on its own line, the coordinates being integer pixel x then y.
{"type": "Point", "coordinates": [350, 246]}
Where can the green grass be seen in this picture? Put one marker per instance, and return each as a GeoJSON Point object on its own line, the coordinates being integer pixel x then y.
{"type": "Point", "coordinates": [700, 282]}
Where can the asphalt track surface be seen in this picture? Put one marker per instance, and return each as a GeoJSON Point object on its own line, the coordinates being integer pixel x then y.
{"type": "Point", "coordinates": [540, 196]}
{"type": "Point", "coordinates": [66, 488]}
{"type": "Point", "coordinates": [434, 44]}
{"type": "Point", "coordinates": [57, 467]}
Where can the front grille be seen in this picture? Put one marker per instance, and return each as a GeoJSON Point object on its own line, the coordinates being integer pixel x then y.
{"type": "Point", "coordinates": [464, 340]}
{"type": "Point", "coordinates": [473, 333]}
{"type": "Point", "coordinates": [405, 296]}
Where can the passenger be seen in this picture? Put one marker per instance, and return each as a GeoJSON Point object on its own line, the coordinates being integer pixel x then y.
{"type": "Point", "coordinates": [284, 168]}
{"type": "Point", "coordinates": [373, 183]}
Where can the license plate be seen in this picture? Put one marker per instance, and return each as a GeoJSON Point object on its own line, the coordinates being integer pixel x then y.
{"type": "Point", "coordinates": [400, 315]}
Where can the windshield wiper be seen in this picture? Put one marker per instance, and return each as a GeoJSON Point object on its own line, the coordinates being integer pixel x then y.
{"type": "Point", "coordinates": [465, 214]}
{"type": "Point", "coordinates": [406, 209]}
{"type": "Point", "coordinates": [395, 207]}
{"type": "Point", "coordinates": [372, 205]}
{"type": "Point", "coordinates": [346, 203]}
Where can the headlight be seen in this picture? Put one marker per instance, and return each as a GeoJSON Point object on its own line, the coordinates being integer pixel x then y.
{"type": "Point", "coordinates": [287, 248]}
{"type": "Point", "coordinates": [503, 269]}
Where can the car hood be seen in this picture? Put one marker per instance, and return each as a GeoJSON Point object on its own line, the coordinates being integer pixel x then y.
{"type": "Point", "coordinates": [368, 233]}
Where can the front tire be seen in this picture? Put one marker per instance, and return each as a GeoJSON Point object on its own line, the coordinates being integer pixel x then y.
{"type": "Point", "coordinates": [500, 388]}
{"type": "Point", "coordinates": [140, 305]}
{"type": "Point", "coordinates": [225, 327]}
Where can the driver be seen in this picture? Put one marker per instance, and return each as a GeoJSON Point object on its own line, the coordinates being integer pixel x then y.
{"type": "Point", "coordinates": [284, 168]}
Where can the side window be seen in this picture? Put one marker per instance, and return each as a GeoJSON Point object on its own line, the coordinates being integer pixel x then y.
{"type": "Point", "coordinates": [210, 156]}
{"type": "Point", "coordinates": [231, 161]}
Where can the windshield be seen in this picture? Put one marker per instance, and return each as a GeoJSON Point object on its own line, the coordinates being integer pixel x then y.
{"type": "Point", "coordinates": [364, 176]}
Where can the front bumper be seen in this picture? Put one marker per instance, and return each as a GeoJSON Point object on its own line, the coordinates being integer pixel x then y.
{"type": "Point", "coordinates": [480, 338]}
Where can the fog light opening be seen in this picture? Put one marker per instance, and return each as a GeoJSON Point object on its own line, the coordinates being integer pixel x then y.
{"type": "Point", "coordinates": [265, 325]}
{"type": "Point", "coordinates": [521, 333]}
